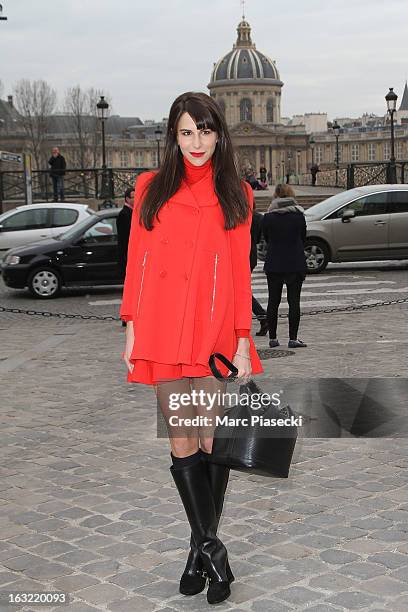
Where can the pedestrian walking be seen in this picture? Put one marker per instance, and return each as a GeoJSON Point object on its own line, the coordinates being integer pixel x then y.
{"type": "Point", "coordinates": [282, 190]}
{"type": "Point", "coordinates": [313, 171]}
{"type": "Point", "coordinates": [262, 174]}
{"type": "Point", "coordinates": [123, 223]}
{"type": "Point", "coordinates": [57, 172]}
{"type": "Point", "coordinates": [284, 229]}
{"type": "Point", "coordinates": [256, 235]}
{"type": "Point", "coordinates": [187, 294]}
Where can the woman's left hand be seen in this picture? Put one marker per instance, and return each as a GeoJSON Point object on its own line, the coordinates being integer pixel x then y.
{"type": "Point", "coordinates": [242, 361]}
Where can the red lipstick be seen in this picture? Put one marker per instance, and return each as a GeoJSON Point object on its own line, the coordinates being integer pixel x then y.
{"type": "Point", "coordinates": [197, 154]}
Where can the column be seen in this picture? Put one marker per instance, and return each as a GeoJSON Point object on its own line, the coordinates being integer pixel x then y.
{"type": "Point", "coordinates": [257, 160]}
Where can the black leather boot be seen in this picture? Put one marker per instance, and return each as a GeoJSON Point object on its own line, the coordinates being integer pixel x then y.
{"type": "Point", "coordinates": [194, 488]}
{"type": "Point", "coordinates": [193, 579]}
{"type": "Point", "coordinates": [218, 476]}
{"type": "Point", "coordinates": [263, 330]}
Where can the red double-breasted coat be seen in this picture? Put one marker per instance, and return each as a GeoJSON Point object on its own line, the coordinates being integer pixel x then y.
{"type": "Point", "coordinates": [188, 281]}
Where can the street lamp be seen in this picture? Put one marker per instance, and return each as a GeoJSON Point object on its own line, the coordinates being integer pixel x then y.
{"type": "Point", "coordinates": [298, 153]}
{"type": "Point", "coordinates": [158, 133]}
{"type": "Point", "coordinates": [336, 129]}
{"type": "Point", "coordinates": [102, 109]}
{"type": "Point", "coordinates": [391, 99]}
{"type": "Point", "coordinates": [289, 172]}
{"type": "Point", "coordinates": [312, 143]}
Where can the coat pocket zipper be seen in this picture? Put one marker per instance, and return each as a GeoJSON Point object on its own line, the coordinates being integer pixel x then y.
{"type": "Point", "coordinates": [141, 282]}
{"type": "Point", "coordinates": [214, 284]}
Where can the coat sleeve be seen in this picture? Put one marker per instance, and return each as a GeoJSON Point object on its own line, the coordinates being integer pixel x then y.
{"type": "Point", "coordinates": [264, 226]}
{"type": "Point", "coordinates": [240, 241]}
{"type": "Point", "coordinates": [125, 312]}
{"type": "Point", "coordinates": [304, 230]}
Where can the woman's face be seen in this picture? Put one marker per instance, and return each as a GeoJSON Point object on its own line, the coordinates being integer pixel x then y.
{"type": "Point", "coordinates": [192, 140]}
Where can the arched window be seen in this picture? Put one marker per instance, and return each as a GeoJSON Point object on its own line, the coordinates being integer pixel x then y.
{"type": "Point", "coordinates": [245, 108]}
{"type": "Point", "coordinates": [221, 104]}
{"type": "Point", "coordinates": [269, 111]}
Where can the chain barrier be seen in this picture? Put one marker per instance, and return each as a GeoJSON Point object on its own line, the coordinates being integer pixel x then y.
{"type": "Point", "coordinates": [64, 315]}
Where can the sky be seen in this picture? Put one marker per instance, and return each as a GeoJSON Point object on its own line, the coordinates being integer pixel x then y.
{"type": "Point", "coordinates": [334, 56]}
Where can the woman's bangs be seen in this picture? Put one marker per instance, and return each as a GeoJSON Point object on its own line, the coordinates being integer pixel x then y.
{"type": "Point", "coordinates": [201, 115]}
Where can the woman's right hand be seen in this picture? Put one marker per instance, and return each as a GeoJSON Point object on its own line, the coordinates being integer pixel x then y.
{"type": "Point", "coordinates": [130, 338]}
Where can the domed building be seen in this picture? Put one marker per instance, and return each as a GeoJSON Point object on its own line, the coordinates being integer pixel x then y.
{"type": "Point", "coordinates": [246, 83]}
{"type": "Point", "coordinates": [247, 86]}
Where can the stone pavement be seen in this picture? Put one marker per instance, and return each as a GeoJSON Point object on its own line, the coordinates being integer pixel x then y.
{"type": "Point", "coordinates": [88, 507]}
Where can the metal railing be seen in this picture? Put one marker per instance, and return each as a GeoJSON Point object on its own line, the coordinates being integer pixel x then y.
{"type": "Point", "coordinates": [356, 174]}
{"type": "Point", "coordinates": [99, 184]}
{"type": "Point", "coordinates": [80, 183]}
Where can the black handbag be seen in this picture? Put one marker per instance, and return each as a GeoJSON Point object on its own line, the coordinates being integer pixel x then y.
{"type": "Point", "coordinates": [251, 447]}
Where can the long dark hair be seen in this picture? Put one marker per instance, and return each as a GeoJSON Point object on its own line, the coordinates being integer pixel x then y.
{"type": "Point", "coordinates": [227, 185]}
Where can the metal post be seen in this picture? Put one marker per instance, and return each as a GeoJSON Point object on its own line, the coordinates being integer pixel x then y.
{"type": "Point", "coordinates": [350, 176]}
{"type": "Point", "coordinates": [28, 179]}
{"type": "Point", "coordinates": [393, 169]}
{"type": "Point", "coordinates": [1, 192]}
{"type": "Point", "coordinates": [103, 146]}
{"type": "Point", "coordinates": [337, 160]}
{"type": "Point", "coordinates": [158, 153]}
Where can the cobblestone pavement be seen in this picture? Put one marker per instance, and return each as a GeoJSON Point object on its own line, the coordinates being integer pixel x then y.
{"type": "Point", "coordinates": [88, 506]}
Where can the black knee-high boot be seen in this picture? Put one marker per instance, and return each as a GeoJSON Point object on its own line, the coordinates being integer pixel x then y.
{"type": "Point", "coordinates": [194, 488]}
{"type": "Point", "coordinates": [193, 579]}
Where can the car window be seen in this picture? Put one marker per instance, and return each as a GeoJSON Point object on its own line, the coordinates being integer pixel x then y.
{"type": "Point", "coordinates": [375, 204]}
{"type": "Point", "coordinates": [35, 218]}
{"type": "Point", "coordinates": [398, 201]}
{"type": "Point", "coordinates": [102, 232]}
{"type": "Point", "coordinates": [64, 216]}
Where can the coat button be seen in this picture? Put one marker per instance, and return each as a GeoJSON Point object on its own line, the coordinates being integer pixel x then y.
{"type": "Point", "coordinates": [163, 273]}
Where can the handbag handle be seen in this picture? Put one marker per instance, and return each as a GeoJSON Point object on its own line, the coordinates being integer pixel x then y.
{"type": "Point", "coordinates": [226, 362]}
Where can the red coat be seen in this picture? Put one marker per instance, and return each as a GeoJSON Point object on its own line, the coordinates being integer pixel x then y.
{"type": "Point", "coordinates": [188, 281]}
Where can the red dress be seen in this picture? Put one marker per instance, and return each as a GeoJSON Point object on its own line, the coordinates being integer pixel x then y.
{"type": "Point", "coordinates": [151, 372]}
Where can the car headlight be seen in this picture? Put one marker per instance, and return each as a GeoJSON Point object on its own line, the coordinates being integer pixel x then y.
{"type": "Point", "coordinates": [12, 259]}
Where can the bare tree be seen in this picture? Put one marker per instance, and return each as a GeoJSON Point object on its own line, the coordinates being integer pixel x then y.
{"type": "Point", "coordinates": [35, 101]}
{"type": "Point", "coordinates": [80, 106]}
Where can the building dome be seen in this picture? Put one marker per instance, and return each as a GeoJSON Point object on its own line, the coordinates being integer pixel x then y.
{"type": "Point", "coordinates": [244, 63]}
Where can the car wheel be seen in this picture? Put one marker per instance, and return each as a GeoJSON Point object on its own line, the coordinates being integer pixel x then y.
{"type": "Point", "coordinates": [44, 283]}
{"type": "Point", "coordinates": [317, 256]}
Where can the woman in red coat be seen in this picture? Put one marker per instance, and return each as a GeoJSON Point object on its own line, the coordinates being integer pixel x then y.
{"type": "Point", "coordinates": [187, 294]}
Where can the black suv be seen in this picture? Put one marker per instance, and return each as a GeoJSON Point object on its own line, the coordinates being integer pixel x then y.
{"type": "Point", "coordinates": [84, 255]}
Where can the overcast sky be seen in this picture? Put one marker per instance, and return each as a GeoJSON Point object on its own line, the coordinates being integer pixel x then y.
{"type": "Point", "coordinates": [334, 56]}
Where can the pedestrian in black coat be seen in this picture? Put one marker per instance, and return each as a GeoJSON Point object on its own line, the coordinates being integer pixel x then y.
{"type": "Point", "coordinates": [58, 165]}
{"type": "Point", "coordinates": [284, 229]}
{"type": "Point", "coordinates": [123, 223]}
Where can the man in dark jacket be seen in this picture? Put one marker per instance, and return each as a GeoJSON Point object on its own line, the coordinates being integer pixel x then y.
{"type": "Point", "coordinates": [123, 223]}
{"type": "Point", "coordinates": [57, 172]}
{"type": "Point", "coordinates": [313, 171]}
{"type": "Point", "coordinates": [256, 234]}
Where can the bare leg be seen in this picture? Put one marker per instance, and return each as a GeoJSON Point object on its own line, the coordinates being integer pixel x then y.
{"type": "Point", "coordinates": [183, 438]}
{"type": "Point", "coordinates": [210, 404]}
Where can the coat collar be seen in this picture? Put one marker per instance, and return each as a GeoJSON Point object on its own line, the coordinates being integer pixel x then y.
{"type": "Point", "coordinates": [197, 195]}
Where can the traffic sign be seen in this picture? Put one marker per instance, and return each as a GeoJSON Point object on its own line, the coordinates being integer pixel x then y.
{"type": "Point", "coordinates": [11, 157]}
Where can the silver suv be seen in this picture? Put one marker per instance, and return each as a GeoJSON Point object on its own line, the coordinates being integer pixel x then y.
{"type": "Point", "coordinates": [362, 224]}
